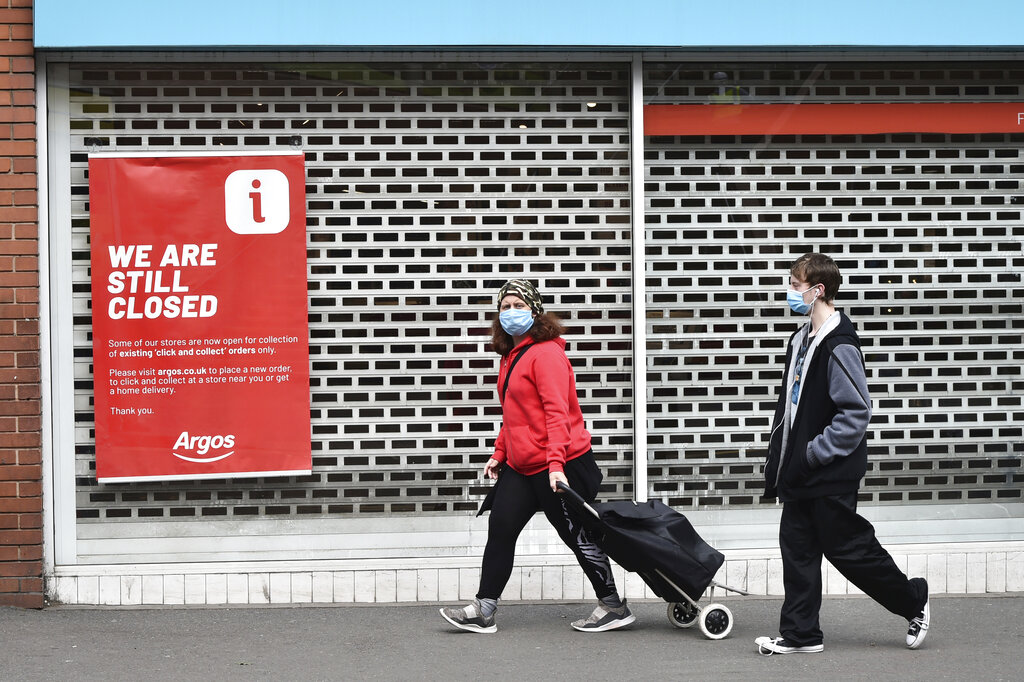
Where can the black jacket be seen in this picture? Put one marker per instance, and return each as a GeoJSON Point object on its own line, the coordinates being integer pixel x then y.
{"type": "Point", "coordinates": [813, 464]}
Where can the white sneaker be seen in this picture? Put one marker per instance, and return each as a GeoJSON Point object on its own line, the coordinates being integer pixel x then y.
{"type": "Point", "coordinates": [766, 646]}
{"type": "Point", "coordinates": [919, 628]}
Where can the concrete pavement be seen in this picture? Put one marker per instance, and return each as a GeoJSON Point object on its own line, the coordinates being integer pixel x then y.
{"type": "Point", "coordinates": [978, 636]}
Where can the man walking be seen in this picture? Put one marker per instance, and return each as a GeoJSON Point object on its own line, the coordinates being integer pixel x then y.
{"type": "Point", "coordinates": [817, 456]}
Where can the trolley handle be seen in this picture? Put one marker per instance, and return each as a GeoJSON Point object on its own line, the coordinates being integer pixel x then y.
{"type": "Point", "coordinates": [577, 498]}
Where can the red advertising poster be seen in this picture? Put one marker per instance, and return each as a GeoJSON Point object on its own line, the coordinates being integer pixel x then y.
{"type": "Point", "coordinates": [200, 334]}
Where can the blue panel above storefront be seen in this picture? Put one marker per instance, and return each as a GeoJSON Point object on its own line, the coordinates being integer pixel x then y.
{"type": "Point", "coordinates": [418, 24]}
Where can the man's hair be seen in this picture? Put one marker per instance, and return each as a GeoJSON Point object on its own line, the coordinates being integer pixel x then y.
{"type": "Point", "coordinates": [817, 268]}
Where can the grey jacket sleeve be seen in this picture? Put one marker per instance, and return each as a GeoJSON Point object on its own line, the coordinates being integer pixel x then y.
{"type": "Point", "coordinates": [849, 391]}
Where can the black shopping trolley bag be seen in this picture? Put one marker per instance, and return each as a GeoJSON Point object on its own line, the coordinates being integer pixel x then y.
{"type": "Point", "coordinates": [654, 540]}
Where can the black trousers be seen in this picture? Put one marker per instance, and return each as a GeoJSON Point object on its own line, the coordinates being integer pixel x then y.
{"type": "Point", "coordinates": [831, 527]}
{"type": "Point", "coordinates": [515, 499]}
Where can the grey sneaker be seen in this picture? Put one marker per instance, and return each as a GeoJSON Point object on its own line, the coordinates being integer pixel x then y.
{"type": "Point", "coordinates": [766, 646]}
{"type": "Point", "coordinates": [469, 618]}
{"type": "Point", "coordinates": [919, 627]}
{"type": "Point", "coordinates": [604, 619]}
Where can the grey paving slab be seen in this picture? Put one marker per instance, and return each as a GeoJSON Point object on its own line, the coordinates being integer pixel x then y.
{"type": "Point", "coordinates": [979, 637]}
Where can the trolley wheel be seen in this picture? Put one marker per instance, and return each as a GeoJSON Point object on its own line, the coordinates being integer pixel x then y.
{"type": "Point", "coordinates": [715, 621]}
{"type": "Point", "coordinates": [682, 614]}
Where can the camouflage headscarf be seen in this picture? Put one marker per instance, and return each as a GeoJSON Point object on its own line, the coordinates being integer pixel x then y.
{"type": "Point", "coordinates": [525, 290]}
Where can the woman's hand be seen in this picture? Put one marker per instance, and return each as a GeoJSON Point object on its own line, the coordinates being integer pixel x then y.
{"type": "Point", "coordinates": [491, 468]}
{"type": "Point", "coordinates": [554, 477]}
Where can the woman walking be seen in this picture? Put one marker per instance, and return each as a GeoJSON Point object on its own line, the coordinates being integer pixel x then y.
{"type": "Point", "coordinates": [542, 441]}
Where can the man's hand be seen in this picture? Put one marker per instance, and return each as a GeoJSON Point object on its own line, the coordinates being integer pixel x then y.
{"type": "Point", "coordinates": [491, 468]}
{"type": "Point", "coordinates": [554, 477]}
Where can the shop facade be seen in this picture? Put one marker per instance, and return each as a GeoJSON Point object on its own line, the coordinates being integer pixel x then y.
{"type": "Point", "coordinates": [431, 178]}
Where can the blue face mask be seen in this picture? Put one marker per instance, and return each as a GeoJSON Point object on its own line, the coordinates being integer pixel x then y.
{"type": "Point", "coordinates": [795, 299]}
{"type": "Point", "coordinates": [515, 321]}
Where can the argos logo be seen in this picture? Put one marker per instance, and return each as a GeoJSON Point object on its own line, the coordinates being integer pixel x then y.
{"type": "Point", "coordinates": [201, 445]}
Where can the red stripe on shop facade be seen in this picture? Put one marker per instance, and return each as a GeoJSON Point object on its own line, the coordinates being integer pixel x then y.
{"type": "Point", "coordinates": [833, 119]}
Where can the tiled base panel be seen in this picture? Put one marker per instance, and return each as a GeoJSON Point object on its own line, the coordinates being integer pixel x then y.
{"type": "Point", "coordinates": [976, 568]}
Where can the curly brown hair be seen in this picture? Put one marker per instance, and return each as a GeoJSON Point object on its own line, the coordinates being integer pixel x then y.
{"type": "Point", "coordinates": [545, 327]}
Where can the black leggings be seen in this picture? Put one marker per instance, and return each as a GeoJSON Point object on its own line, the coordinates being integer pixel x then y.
{"type": "Point", "coordinates": [516, 499]}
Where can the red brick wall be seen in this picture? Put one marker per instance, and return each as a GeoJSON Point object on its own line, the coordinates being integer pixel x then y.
{"type": "Point", "coordinates": [21, 473]}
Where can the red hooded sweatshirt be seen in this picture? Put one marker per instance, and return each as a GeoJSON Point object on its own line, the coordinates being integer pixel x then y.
{"type": "Point", "coordinates": [542, 426]}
